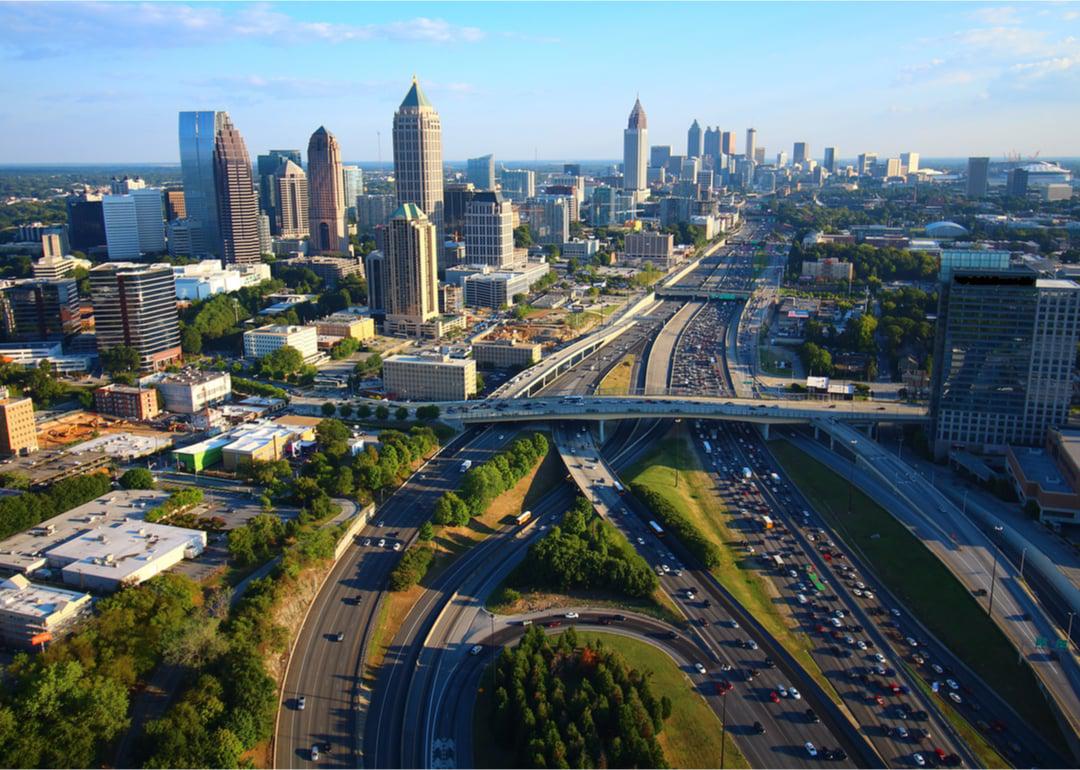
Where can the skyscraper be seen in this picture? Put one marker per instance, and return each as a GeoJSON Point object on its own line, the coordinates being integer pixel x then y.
{"type": "Point", "coordinates": [135, 305]}
{"type": "Point", "coordinates": [291, 200]}
{"type": "Point", "coordinates": [909, 162]}
{"type": "Point", "coordinates": [978, 171]}
{"type": "Point", "coordinates": [694, 145]}
{"type": "Point", "coordinates": [198, 134]}
{"type": "Point", "coordinates": [411, 270]}
{"type": "Point", "coordinates": [268, 167]}
{"type": "Point", "coordinates": [518, 184]}
{"type": "Point", "coordinates": [237, 207]}
{"type": "Point", "coordinates": [418, 164]}
{"type": "Point", "coordinates": [865, 163]}
{"type": "Point", "coordinates": [489, 231]}
{"type": "Point", "coordinates": [1003, 358]}
{"type": "Point", "coordinates": [781, 159]}
{"type": "Point", "coordinates": [354, 186]}
{"type": "Point", "coordinates": [830, 160]}
{"type": "Point", "coordinates": [751, 143]}
{"type": "Point", "coordinates": [800, 153]}
{"type": "Point", "coordinates": [480, 172]}
{"type": "Point", "coordinates": [659, 155]}
{"type": "Point", "coordinates": [40, 310]}
{"type": "Point", "coordinates": [86, 221]}
{"type": "Point", "coordinates": [710, 146]}
{"type": "Point", "coordinates": [134, 223]}
{"type": "Point", "coordinates": [727, 142]}
{"type": "Point", "coordinates": [326, 195]}
{"type": "Point", "coordinates": [635, 145]}
{"type": "Point", "coordinates": [1017, 184]}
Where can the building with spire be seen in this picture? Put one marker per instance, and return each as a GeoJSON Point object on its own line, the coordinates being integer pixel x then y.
{"type": "Point", "coordinates": [635, 147]}
{"type": "Point", "coordinates": [410, 269]}
{"type": "Point", "coordinates": [326, 195]}
{"type": "Point", "coordinates": [418, 162]}
{"type": "Point", "coordinates": [694, 141]}
{"type": "Point", "coordinates": [237, 205]}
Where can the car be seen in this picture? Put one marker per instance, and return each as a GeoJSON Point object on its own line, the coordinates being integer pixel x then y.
{"type": "Point", "coordinates": [733, 623]}
{"type": "Point", "coordinates": [382, 542]}
{"type": "Point", "coordinates": [619, 618]}
{"type": "Point", "coordinates": [367, 541]}
{"type": "Point", "coordinates": [553, 624]}
{"type": "Point", "coordinates": [759, 729]}
{"type": "Point", "coordinates": [810, 750]}
{"type": "Point", "coordinates": [725, 667]}
{"type": "Point", "coordinates": [723, 686]}
{"type": "Point", "coordinates": [937, 668]}
{"type": "Point", "coordinates": [572, 615]}
{"type": "Point", "coordinates": [397, 546]}
{"type": "Point", "coordinates": [750, 674]}
{"type": "Point", "coordinates": [837, 755]}
{"type": "Point", "coordinates": [339, 636]}
{"type": "Point", "coordinates": [879, 657]}
{"type": "Point", "coordinates": [900, 732]}
{"type": "Point", "coordinates": [940, 754]}
{"type": "Point", "coordinates": [690, 594]}
{"type": "Point", "coordinates": [782, 690]}
{"type": "Point", "coordinates": [919, 760]}
{"type": "Point", "coordinates": [911, 642]}
{"type": "Point", "coordinates": [300, 703]}
{"type": "Point", "coordinates": [860, 644]}
{"type": "Point", "coordinates": [795, 694]}
{"type": "Point", "coordinates": [894, 612]}
{"type": "Point", "coordinates": [835, 622]}
{"type": "Point", "coordinates": [955, 698]}
{"type": "Point", "coordinates": [867, 595]}
{"type": "Point", "coordinates": [476, 649]}
{"type": "Point", "coordinates": [953, 684]}
{"type": "Point", "coordinates": [381, 524]}
{"type": "Point", "coordinates": [769, 663]}
{"type": "Point", "coordinates": [315, 753]}
{"type": "Point", "coordinates": [672, 635]}
{"type": "Point", "coordinates": [811, 716]}
{"type": "Point", "coordinates": [700, 669]}
{"type": "Point", "coordinates": [774, 697]}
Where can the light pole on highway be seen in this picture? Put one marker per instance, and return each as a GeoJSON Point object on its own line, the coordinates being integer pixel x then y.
{"type": "Point", "coordinates": [993, 581]}
{"type": "Point", "coordinates": [1023, 555]}
{"type": "Point", "coordinates": [723, 727]}
{"type": "Point", "coordinates": [851, 475]}
{"type": "Point", "coordinates": [1068, 633]}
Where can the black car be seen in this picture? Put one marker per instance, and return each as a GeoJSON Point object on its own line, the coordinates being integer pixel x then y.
{"type": "Point", "coordinates": [769, 663]}
{"type": "Point", "coordinates": [811, 716]}
{"type": "Point", "coordinates": [620, 618]}
{"type": "Point", "coordinates": [759, 728]}
{"type": "Point", "coordinates": [672, 635]}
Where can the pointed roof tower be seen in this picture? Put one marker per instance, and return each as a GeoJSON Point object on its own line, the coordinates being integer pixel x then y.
{"type": "Point", "coordinates": [637, 116]}
{"type": "Point", "coordinates": [415, 98]}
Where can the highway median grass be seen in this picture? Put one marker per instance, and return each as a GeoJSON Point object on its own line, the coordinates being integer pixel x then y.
{"type": "Point", "coordinates": [617, 381]}
{"type": "Point", "coordinates": [915, 575]}
{"type": "Point", "coordinates": [672, 470]}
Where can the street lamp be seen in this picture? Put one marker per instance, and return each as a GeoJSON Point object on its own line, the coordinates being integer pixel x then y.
{"type": "Point", "coordinates": [723, 727]}
{"type": "Point", "coordinates": [851, 475]}
{"type": "Point", "coordinates": [1068, 633]}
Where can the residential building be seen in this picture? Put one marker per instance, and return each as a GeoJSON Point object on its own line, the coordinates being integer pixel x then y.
{"type": "Point", "coordinates": [518, 184]}
{"type": "Point", "coordinates": [1049, 476]}
{"type": "Point", "coordinates": [1004, 356]}
{"type": "Point", "coordinates": [480, 172]}
{"type": "Point", "coordinates": [350, 325]}
{"type": "Point", "coordinates": [86, 221]}
{"type": "Point", "coordinates": [828, 270]}
{"type": "Point", "coordinates": [489, 231]}
{"type": "Point", "coordinates": [135, 305]}
{"type": "Point", "coordinates": [127, 401]}
{"type": "Point", "coordinates": [658, 248]}
{"type": "Point", "coordinates": [695, 144]}
{"type": "Point", "coordinates": [191, 390]}
{"type": "Point", "coordinates": [635, 145]}
{"type": "Point", "coordinates": [326, 195]}
{"type": "Point", "coordinates": [18, 431]}
{"type": "Point", "coordinates": [174, 203]}
{"type": "Point", "coordinates": [354, 186]}
{"type": "Point", "coordinates": [971, 259]}
{"type": "Point", "coordinates": [267, 339]}
{"type": "Point", "coordinates": [237, 206]}
{"type": "Point", "coordinates": [418, 164]}
{"type": "Point", "coordinates": [40, 310]}
{"type": "Point", "coordinates": [411, 270]}
{"type": "Point", "coordinates": [829, 162]}
{"type": "Point", "coordinates": [134, 224]}
{"type": "Point", "coordinates": [751, 143]}
{"type": "Point", "coordinates": [29, 610]}
{"type": "Point", "coordinates": [332, 270]}
{"type": "Point", "coordinates": [800, 153]}
{"type": "Point", "coordinates": [374, 210]}
{"type": "Point", "coordinates": [977, 177]}
{"type": "Point", "coordinates": [429, 378]}
{"type": "Point", "coordinates": [198, 134]}
{"type": "Point", "coordinates": [506, 354]}
{"type": "Point", "coordinates": [291, 201]}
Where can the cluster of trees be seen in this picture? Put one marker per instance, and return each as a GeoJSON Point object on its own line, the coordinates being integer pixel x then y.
{"type": "Point", "coordinates": [685, 232]}
{"type": "Point", "coordinates": [672, 519]}
{"type": "Point", "coordinates": [817, 360]}
{"type": "Point", "coordinates": [412, 567]}
{"type": "Point", "coordinates": [903, 326]}
{"type": "Point", "coordinates": [257, 541]}
{"type": "Point", "coordinates": [558, 705]}
{"type": "Point", "coordinates": [344, 348]}
{"type": "Point", "coordinates": [137, 478]}
{"type": "Point", "coordinates": [871, 264]}
{"type": "Point", "coordinates": [19, 512]}
{"type": "Point", "coordinates": [64, 706]}
{"type": "Point", "coordinates": [177, 502]}
{"type": "Point", "coordinates": [211, 320]}
{"type": "Point", "coordinates": [121, 362]}
{"type": "Point", "coordinates": [585, 552]}
{"type": "Point", "coordinates": [285, 363]}
{"type": "Point", "coordinates": [256, 388]}
{"type": "Point", "coordinates": [369, 367]}
{"type": "Point", "coordinates": [483, 483]}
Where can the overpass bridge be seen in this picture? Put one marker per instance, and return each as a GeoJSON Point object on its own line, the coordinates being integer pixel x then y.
{"type": "Point", "coordinates": [701, 293]}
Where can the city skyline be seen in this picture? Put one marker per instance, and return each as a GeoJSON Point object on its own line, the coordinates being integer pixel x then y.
{"type": "Point", "coordinates": [944, 79]}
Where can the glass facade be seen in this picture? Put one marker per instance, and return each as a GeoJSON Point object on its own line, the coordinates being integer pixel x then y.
{"type": "Point", "coordinates": [197, 133]}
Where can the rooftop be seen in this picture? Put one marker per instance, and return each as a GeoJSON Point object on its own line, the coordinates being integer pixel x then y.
{"type": "Point", "coordinates": [21, 597]}
{"type": "Point", "coordinates": [188, 376]}
{"type": "Point", "coordinates": [1039, 467]}
{"type": "Point", "coordinates": [415, 98]}
{"type": "Point", "coordinates": [429, 360]}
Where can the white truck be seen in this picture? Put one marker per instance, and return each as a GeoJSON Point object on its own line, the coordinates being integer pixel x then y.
{"type": "Point", "coordinates": [465, 465]}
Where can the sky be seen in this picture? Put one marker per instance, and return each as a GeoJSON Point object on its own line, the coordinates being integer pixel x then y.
{"type": "Point", "coordinates": [103, 82]}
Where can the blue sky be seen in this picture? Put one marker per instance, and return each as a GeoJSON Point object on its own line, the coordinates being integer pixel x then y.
{"type": "Point", "coordinates": [102, 82]}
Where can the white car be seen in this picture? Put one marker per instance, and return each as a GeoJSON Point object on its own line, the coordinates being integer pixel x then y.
{"type": "Point", "coordinates": [879, 657]}
{"type": "Point", "coordinates": [690, 595]}
{"type": "Point", "coordinates": [572, 615]}
{"type": "Point", "coordinates": [382, 542]}
{"type": "Point", "coordinates": [795, 693]}
{"type": "Point", "coordinates": [315, 753]}
{"type": "Point", "coordinates": [300, 703]}
{"type": "Point", "coordinates": [810, 749]}
{"type": "Point", "coordinates": [955, 698]}
{"type": "Point", "coordinates": [476, 649]}
{"type": "Point", "coordinates": [836, 622]}
{"type": "Point", "coordinates": [919, 760]}
{"type": "Point", "coordinates": [937, 669]}
{"type": "Point", "coordinates": [861, 644]}
{"type": "Point", "coordinates": [782, 690]}
{"type": "Point", "coordinates": [953, 684]}
{"type": "Point", "coordinates": [868, 594]}
{"type": "Point", "coordinates": [700, 668]}
{"type": "Point", "coordinates": [397, 546]}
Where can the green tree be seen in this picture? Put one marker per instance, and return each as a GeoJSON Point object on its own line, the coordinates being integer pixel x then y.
{"type": "Point", "coordinates": [426, 532]}
{"type": "Point", "coordinates": [401, 413]}
{"type": "Point", "coordinates": [191, 341]}
{"type": "Point", "coordinates": [363, 411]}
{"type": "Point", "coordinates": [345, 410]}
{"type": "Point", "coordinates": [137, 478]}
{"type": "Point", "coordinates": [427, 413]}
{"type": "Point", "coordinates": [120, 359]}
{"type": "Point", "coordinates": [328, 409]}
{"type": "Point", "coordinates": [382, 412]}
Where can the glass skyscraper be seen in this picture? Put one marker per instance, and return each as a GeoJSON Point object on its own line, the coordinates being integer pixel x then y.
{"type": "Point", "coordinates": [197, 133]}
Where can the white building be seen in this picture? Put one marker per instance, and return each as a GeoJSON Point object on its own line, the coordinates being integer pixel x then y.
{"type": "Point", "coordinates": [208, 277]}
{"type": "Point", "coordinates": [489, 230]}
{"type": "Point", "coordinates": [430, 378]}
{"type": "Point", "coordinates": [260, 342]}
{"type": "Point", "coordinates": [191, 390]}
{"type": "Point", "coordinates": [134, 223]}
{"type": "Point", "coordinates": [28, 609]}
{"type": "Point", "coordinates": [54, 268]}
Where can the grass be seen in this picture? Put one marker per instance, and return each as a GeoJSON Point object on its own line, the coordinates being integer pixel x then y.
{"type": "Point", "coordinates": [691, 736]}
{"type": "Point", "coordinates": [770, 363]}
{"type": "Point", "coordinates": [617, 381]}
{"type": "Point", "coordinates": [924, 585]}
{"type": "Point", "coordinates": [694, 494]}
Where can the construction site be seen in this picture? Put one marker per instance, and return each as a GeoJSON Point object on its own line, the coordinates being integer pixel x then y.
{"type": "Point", "coordinates": [76, 427]}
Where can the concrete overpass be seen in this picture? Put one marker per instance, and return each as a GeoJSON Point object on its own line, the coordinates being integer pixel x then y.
{"type": "Point", "coordinates": [701, 293]}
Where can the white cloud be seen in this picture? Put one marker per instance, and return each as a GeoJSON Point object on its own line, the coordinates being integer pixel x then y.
{"type": "Point", "coordinates": [997, 15]}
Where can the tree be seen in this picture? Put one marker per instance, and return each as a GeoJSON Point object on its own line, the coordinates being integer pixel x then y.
{"type": "Point", "coordinates": [427, 532]}
{"type": "Point", "coordinates": [401, 413]}
{"type": "Point", "coordinates": [282, 362]}
{"type": "Point", "coordinates": [120, 359]}
{"type": "Point", "coordinates": [427, 413]}
{"type": "Point", "coordinates": [479, 382]}
{"type": "Point", "coordinates": [191, 340]}
{"type": "Point", "coordinates": [382, 412]}
{"type": "Point", "coordinates": [345, 410]}
{"type": "Point", "coordinates": [328, 409]}
{"type": "Point", "coordinates": [42, 384]}
{"type": "Point", "coordinates": [523, 237]}
{"type": "Point", "coordinates": [137, 478]}
{"type": "Point", "coordinates": [363, 411]}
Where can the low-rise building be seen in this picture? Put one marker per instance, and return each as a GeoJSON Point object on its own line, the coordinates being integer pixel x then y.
{"type": "Point", "coordinates": [207, 277]}
{"type": "Point", "coordinates": [18, 431]}
{"type": "Point", "coordinates": [29, 611]}
{"type": "Point", "coordinates": [332, 270]}
{"type": "Point", "coordinates": [264, 443]}
{"type": "Point", "coordinates": [201, 455]}
{"type": "Point", "coordinates": [657, 248]}
{"type": "Point", "coordinates": [828, 270]}
{"type": "Point", "coordinates": [1049, 476]}
{"type": "Point", "coordinates": [506, 354]}
{"type": "Point", "coordinates": [127, 401]}
{"type": "Point", "coordinates": [191, 390]}
{"type": "Point", "coordinates": [429, 378]}
{"type": "Point", "coordinates": [261, 342]}
{"type": "Point", "coordinates": [350, 325]}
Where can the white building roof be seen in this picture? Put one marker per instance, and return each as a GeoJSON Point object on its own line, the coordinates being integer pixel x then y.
{"type": "Point", "coordinates": [36, 602]}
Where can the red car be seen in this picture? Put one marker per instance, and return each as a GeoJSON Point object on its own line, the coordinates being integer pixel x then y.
{"type": "Point", "coordinates": [880, 701]}
{"type": "Point", "coordinates": [774, 697]}
{"type": "Point", "coordinates": [940, 755]}
{"type": "Point", "coordinates": [723, 687]}
{"type": "Point", "coordinates": [895, 688]}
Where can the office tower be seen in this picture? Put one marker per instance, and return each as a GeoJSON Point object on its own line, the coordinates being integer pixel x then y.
{"type": "Point", "coordinates": [134, 223]}
{"type": "Point", "coordinates": [52, 246]}
{"type": "Point", "coordinates": [603, 206]}
{"type": "Point", "coordinates": [326, 195]}
{"type": "Point", "coordinates": [418, 164]}
{"type": "Point", "coordinates": [781, 159]}
{"type": "Point", "coordinates": [977, 174]}
{"type": "Point", "coordinates": [830, 160]}
{"type": "Point", "coordinates": [909, 162]}
{"type": "Point", "coordinates": [291, 200]}
{"type": "Point", "coordinates": [727, 142]}
{"type": "Point", "coordinates": [266, 241]}
{"type": "Point", "coordinates": [174, 204]}
{"type": "Point", "coordinates": [892, 167]}
{"type": "Point", "coordinates": [659, 155]}
{"type": "Point", "coordinates": [800, 153]}
{"type": "Point", "coordinates": [198, 134]}
{"type": "Point", "coordinates": [234, 190]}
{"type": "Point", "coordinates": [178, 234]}
{"type": "Point", "coordinates": [480, 172]}
{"type": "Point", "coordinates": [549, 218]}
{"type": "Point", "coordinates": [751, 143]}
{"type": "Point", "coordinates": [268, 167]}
{"type": "Point", "coordinates": [374, 210]}
{"type": "Point", "coordinates": [489, 231]}
{"type": "Point", "coordinates": [86, 221]}
{"type": "Point", "coordinates": [124, 185]}
{"type": "Point", "coordinates": [1017, 184]}
{"type": "Point", "coordinates": [18, 430]}
{"type": "Point", "coordinates": [135, 305]}
{"type": "Point", "coordinates": [410, 252]}
{"type": "Point", "coordinates": [375, 269]}
{"type": "Point", "coordinates": [695, 147]}
{"type": "Point", "coordinates": [710, 146]}
{"type": "Point", "coordinates": [1004, 355]}
{"type": "Point", "coordinates": [456, 197]}
{"type": "Point", "coordinates": [571, 169]}
{"type": "Point", "coordinates": [354, 187]}
{"type": "Point", "coordinates": [865, 163]}
{"type": "Point", "coordinates": [759, 155]}
{"type": "Point", "coordinates": [635, 145]}
{"type": "Point", "coordinates": [40, 310]}
{"type": "Point", "coordinates": [518, 184]}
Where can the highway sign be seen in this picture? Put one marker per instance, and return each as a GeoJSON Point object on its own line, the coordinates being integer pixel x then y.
{"type": "Point", "coordinates": [1042, 642]}
{"type": "Point", "coordinates": [1061, 644]}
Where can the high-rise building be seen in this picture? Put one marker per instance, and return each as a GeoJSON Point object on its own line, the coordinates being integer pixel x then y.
{"type": "Point", "coordinates": [326, 195]}
{"type": "Point", "coordinates": [18, 431]}
{"type": "Point", "coordinates": [659, 155]}
{"type": "Point", "coordinates": [800, 153]}
{"type": "Point", "coordinates": [711, 143]}
{"type": "Point", "coordinates": [1004, 355]}
{"type": "Point", "coordinates": [291, 200]}
{"type": "Point", "coordinates": [268, 167]}
{"type": "Point", "coordinates": [52, 246]}
{"type": "Point", "coordinates": [174, 203]}
{"type": "Point", "coordinates": [237, 207]}
{"type": "Point", "coordinates": [456, 197]}
{"type": "Point", "coordinates": [549, 218]}
{"type": "Point", "coordinates": [489, 231]}
{"type": "Point", "coordinates": [266, 240]}
{"type": "Point", "coordinates": [86, 221]}
{"type": "Point", "coordinates": [374, 210]}
{"type": "Point", "coordinates": [759, 155]}
{"type": "Point", "coordinates": [410, 251]}
{"type": "Point", "coordinates": [198, 134]}
{"type": "Point", "coordinates": [418, 163]}
{"type": "Point", "coordinates": [909, 162]}
{"type": "Point", "coordinates": [635, 145]}
{"type": "Point", "coordinates": [354, 187]}
{"type": "Point", "coordinates": [603, 206]}
{"type": "Point", "coordinates": [830, 160]}
{"type": "Point", "coordinates": [1017, 184]}
{"type": "Point", "coordinates": [571, 169]}
{"type": "Point", "coordinates": [893, 168]}
{"type": "Point", "coordinates": [865, 163]}
{"type": "Point", "coordinates": [480, 172]}
{"type": "Point", "coordinates": [977, 177]}
{"type": "Point", "coordinates": [40, 310]}
{"type": "Point", "coordinates": [751, 143]}
{"type": "Point", "coordinates": [135, 305]}
{"type": "Point", "coordinates": [518, 184]}
{"type": "Point", "coordinates": [375, 268]}
{"type": "Point", "coordinates": [695, 146]}
{"type": "Point", "coordinates": [134, 223]}
{"type": "Point", "coordinates": [124, 185]}
{"type": "Point", "coordinates": [727, 142]}
{"type": "Point", "coordinates": [781, 159]}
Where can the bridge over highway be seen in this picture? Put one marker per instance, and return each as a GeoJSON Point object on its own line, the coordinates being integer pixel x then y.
{"type": "Point", "coordinates": [701, 292]}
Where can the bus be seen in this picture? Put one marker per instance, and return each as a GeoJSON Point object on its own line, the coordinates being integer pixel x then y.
{"type": "Point", "coordinates": [766, 522]}
{"type": "Point", "coordinates": [778, 560]}
{"type": "Point", "coordinates": [618, 487]}
{"type": "Point", "coordinates": [522, 517]}
{"type": "Point", "coordinates": [815, 580]}
{"type": "Point", "coordinates": [657, 529]}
